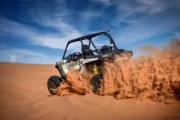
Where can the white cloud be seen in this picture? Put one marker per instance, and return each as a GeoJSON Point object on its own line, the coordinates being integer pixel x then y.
{"type": "Point", "coordinates": [49, 15]}
{"type": "Point", "coordinates": [29, 53]}
{"type": "Point", "coordinates": [106, 2]}
{"type": "Point", "coordinates": [32, 35]}
{"type": "Point", "coordinates": [126, 9]}
{"type": "Point", "coordinates": [12, 58]}
{"type": "Point", "coordinates": [9, 27]}
{"type": "Point", "coordinates": [177, 34]}
{"type": "Point", "coordinates": [148, 27]}
{"type": "Point", "coordinates": [25, 56]}
{"type": "Point", "coordinates": [89, 15]}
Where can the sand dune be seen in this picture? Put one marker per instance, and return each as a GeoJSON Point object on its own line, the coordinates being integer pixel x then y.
{"type": "Point", "coordinates": [24, 96]}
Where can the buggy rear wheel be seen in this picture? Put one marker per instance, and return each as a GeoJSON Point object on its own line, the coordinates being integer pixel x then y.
{"type": "Point", "coordinates": [53, 83]}
{"type": "Point", "coordinates": [96, 81]}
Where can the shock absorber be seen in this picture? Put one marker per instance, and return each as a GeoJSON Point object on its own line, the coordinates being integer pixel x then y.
{"type": "Point", "coordinates": [96, 79]}
{"type": "Point", "coordinates": [95, 69]}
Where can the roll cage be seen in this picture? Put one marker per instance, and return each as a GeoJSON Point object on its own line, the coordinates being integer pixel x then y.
{"type": "Point", "coordinates": [89, 37]}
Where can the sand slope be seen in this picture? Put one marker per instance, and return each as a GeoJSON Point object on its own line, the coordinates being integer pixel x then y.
{"type": "Point", "coordinates": [24, 96]}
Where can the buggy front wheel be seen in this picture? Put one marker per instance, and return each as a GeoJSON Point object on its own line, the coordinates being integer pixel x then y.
{"type": "Point", "coordinates": [53, 83]}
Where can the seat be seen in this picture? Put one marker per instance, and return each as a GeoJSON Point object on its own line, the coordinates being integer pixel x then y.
{"type": "Point", "coordinates": [104, 49]}
{"type": "Point", "coordinates": [74, 57]}
{"type": "Point", "coordinates": [87, 52]}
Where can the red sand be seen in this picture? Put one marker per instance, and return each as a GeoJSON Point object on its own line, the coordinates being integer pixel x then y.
{"type": "Point", "coordinates": [24, 95]}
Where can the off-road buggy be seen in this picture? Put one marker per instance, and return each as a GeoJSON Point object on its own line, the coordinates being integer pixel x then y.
{"type": "Point", "coordinates": [90, 57]}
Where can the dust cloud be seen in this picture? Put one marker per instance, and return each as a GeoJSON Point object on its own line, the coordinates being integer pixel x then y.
{"type": "Point", "coordinates": [154, 76]}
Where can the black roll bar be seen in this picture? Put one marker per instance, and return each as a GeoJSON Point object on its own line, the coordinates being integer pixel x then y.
{"type": "Point", "coordinates": [89, 38]}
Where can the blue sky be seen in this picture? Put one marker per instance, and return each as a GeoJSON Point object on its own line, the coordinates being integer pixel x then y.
{"type": "Point", "coordinates": [36, 31]}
